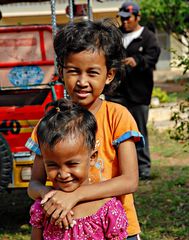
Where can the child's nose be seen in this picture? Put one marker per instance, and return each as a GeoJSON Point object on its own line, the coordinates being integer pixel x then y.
{"type": "Point", "coordinates": [82, 80]}
{"type": "Point", "coordinates": [64, 174]}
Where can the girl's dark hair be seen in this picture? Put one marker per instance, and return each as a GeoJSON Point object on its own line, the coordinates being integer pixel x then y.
{"type": "Point", "coordinates": [102, 35]}
{"type": "Point", "coordinates": [66, 118]}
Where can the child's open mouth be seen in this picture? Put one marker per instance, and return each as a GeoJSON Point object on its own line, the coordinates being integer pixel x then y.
{"type": "Point", "coordinates": [82, 94]}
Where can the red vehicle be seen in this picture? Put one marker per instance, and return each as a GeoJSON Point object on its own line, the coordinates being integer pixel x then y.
{"type": "Point", "coordinates": [27, 84]}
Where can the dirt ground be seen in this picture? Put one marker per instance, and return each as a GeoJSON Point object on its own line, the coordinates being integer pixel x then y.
{"type": "Point", "coordinates": [170, 87]}
{"type": "Point", "coordinates": [172, 161]}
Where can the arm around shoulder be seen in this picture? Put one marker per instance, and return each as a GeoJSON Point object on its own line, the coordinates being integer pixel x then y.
{"type": "Point", "coordinates": [126, 182]}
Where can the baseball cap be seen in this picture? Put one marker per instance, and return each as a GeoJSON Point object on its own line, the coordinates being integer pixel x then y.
{"type": "Point", "coordinates": [127, 9]}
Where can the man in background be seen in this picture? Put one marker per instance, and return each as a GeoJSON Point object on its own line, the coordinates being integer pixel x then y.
{"type": "Point", "coordinates": [142, 53]}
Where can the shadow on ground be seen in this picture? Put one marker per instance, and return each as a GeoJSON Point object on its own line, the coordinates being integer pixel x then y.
{"type": "Point", "coordinates": [14, 209]}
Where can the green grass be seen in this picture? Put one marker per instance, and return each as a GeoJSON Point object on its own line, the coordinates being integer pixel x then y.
{"type": "Point", "coordinates": [177, 96]}
{"type": "Point", "coordinates": [15, 236]}
{"type": "Point", "coordinates": [162, 203]}
{"type": "Point", "coordinates": [21, 232]}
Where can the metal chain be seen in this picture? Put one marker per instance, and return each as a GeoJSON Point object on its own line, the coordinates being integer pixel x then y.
{"type": "Point", "coordinates": [54, 29]}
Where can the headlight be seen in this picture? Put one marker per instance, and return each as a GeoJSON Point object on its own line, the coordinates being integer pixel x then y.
{"type": "Point", "coordinates": [26, 173]}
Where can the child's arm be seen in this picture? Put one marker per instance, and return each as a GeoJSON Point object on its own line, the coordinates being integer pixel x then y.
{"type": "Point", "coordinates": [36, 234]}
{"type": "Point", "coordinates": [127, 182]}
{"type": "Point", "coordinates": [37, 188]}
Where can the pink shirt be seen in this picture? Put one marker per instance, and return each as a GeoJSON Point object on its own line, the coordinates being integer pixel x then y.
{"type": "Point", "coordinates": [109, 222]}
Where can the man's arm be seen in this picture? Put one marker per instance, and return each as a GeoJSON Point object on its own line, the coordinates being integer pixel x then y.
{"type": "Point", "coordinates": [148, 55]}
{"type": "Point", "coordinates": [151, 52]}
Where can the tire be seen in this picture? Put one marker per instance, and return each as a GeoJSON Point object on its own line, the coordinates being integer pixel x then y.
{"type": "Point", "coordinates": [5, 163]}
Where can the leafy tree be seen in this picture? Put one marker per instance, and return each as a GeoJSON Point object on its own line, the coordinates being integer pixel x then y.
{"type": "Point", "coordinates": [172, 16]}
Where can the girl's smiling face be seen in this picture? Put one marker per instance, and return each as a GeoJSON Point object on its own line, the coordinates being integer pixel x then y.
{"type": "Point", "coordinates": [85, 75]}
{"type": "Point", "coordinates": [67, 163]}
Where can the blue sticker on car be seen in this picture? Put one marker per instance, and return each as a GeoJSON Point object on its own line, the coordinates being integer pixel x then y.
{"type": "Point", "coordinates": [25, 76]}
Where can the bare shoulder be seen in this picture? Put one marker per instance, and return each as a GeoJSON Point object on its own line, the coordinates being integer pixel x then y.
{"type": "Point", "coordinates": [85, 209]}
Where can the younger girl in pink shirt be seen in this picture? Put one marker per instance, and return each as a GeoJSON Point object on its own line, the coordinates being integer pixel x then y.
{"type": "Point", "coordinates": [66, 137]}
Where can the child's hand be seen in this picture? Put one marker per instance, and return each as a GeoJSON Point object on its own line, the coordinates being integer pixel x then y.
{"type": "Point", "coordinates": [47, 196]}
{"type": "Point", "coordinates": [66, 222]}
{"type": "Point", "coordinates": [58, 205]}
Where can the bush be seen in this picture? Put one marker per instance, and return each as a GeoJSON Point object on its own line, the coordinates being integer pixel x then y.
{"type": "Point", "coordinates": [160, 94]}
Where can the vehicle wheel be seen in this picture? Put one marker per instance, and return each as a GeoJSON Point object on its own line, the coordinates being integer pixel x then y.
{"type": "Point", "coordinates": [5, 163]}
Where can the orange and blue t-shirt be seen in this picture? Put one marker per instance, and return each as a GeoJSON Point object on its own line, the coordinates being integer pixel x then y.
{"type": "Point", "coordinates": [115, 125]}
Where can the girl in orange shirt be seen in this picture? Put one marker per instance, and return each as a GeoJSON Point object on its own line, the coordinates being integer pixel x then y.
{"type": "Point", "coordinates": [89, 56]}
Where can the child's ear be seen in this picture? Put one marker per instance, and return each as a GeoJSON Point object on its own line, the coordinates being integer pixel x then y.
{"type": "Point", "coordinates": [60, 72]}
{"type": "Point", "coordinates": [93, 157]}
{"type": "Point", "coordinates": [110, 75]}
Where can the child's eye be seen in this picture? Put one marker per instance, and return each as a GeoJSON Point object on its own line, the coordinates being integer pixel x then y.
{"type": "Point", "coordinates": [93, 73]}
{"type": "Point", "coordinates": [51, 165]}
{"type": "Point", "coordinates": [72, 164]}
{"type": "Point", "coordinates": [72, 71]}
